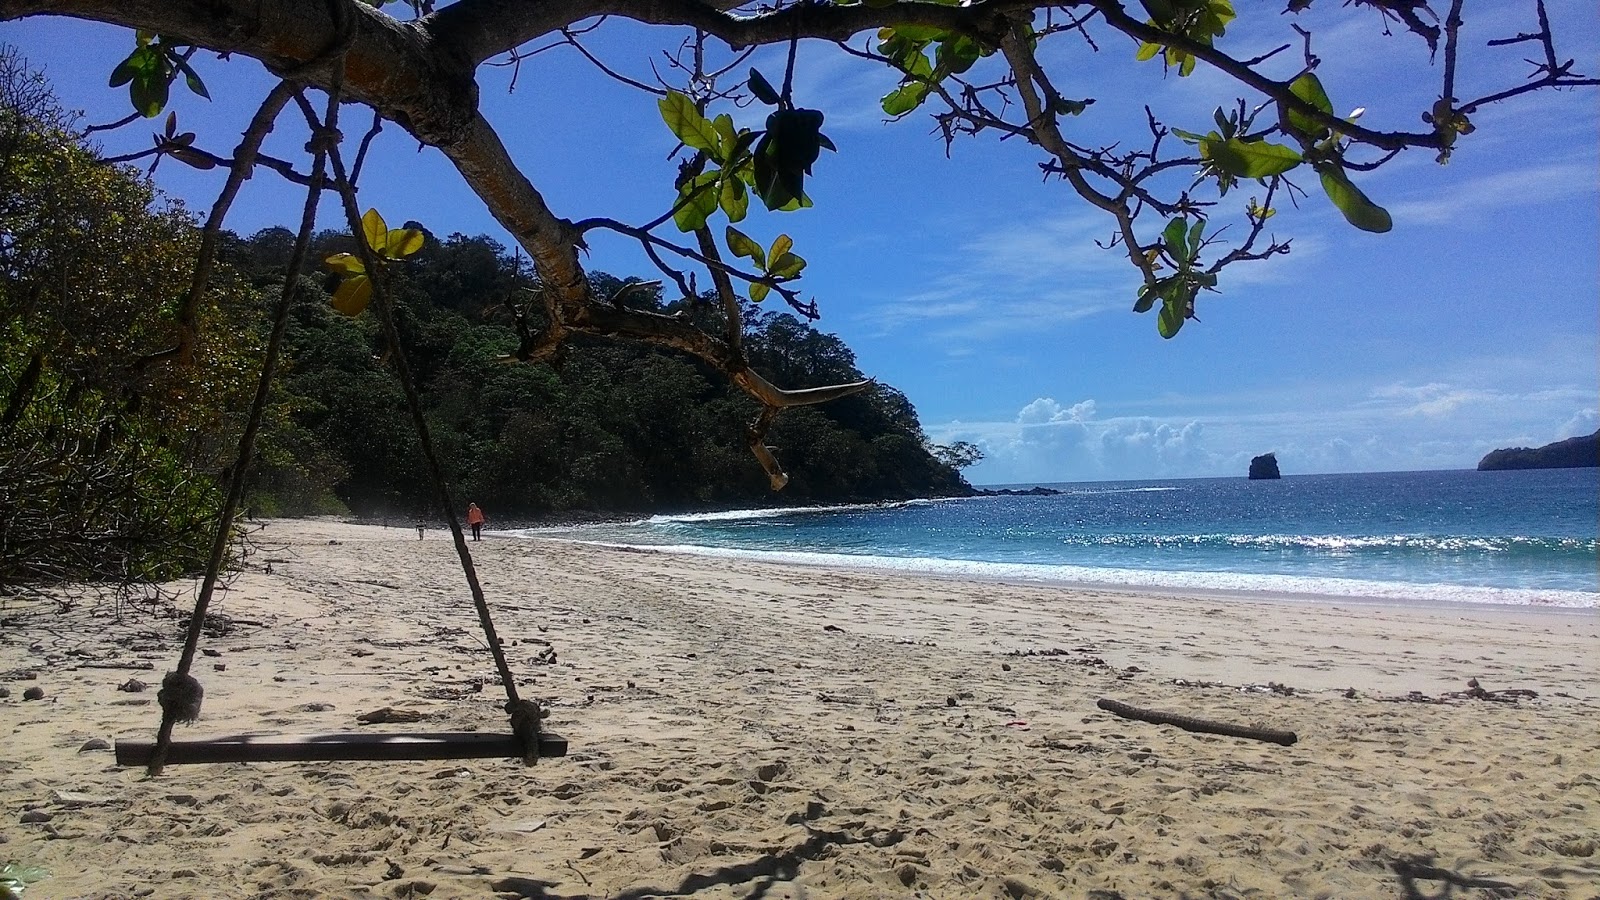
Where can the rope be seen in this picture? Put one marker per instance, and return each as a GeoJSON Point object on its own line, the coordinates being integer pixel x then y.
{"type": "Point", "coordinates": [181, 694]}
{"type": "Point", "coordinates": [380, 296]}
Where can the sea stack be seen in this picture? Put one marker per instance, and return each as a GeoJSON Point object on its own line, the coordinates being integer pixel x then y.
{"type": "Point", "coordinates": [1264, 466]}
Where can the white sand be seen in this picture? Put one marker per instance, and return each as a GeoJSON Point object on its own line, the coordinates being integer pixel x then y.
{"type": "Point", "coordinates": [727, 742]}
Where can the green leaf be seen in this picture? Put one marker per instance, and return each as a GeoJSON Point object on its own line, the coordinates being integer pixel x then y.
{"type": "Point", "coordinates": [1357, 209]}
{"type": "Point", "coordinates": [758, 292]}
{"type": "Point", "coordinates": [149, 94]}
{"type": "Point", "coordinates": [353, 295]}
{"type": "Point", "coordinates": [780, 245]}
{"type": "Point", "coordinates": [905, 98]}
{"type": "Point", "coordinates": [1159, 10]}
{"type": "Point", "coordinates": [742, 245]}
{"type": "Point", "coordinates": [191, 77]}
{"type": "Point", "coordinates": [345, 263]}
{"type": "Point", "coordinates": [680, 114]}
{"type": "Point", "coordinates": [1176, 238]}
{"type": "Point", "coordinates": [733, 198]}
{"type": "Point", "coordinates": [1251, 159]}
{"type": "Point", "coordinates": [402, 242]}
{"type": "Point", "coordinates": [1147, 298]}
{"type": "Point", "coordinates": [1308, 88]}
{"type": "Point", "coordinates": [697, 200]}
{"type": "Point", "coordinates": [375, 230]}
{"type": "Point", "coordinates": [1224, 123]}
{"type": "Point", "coordinates": [125, 71]}
{"type": "Point", "coordinates": [1066, 107]}
{"type": "Point", "coordinates": [776, 187]}
{"type": "Point", "coordinates": [957, 53]}
{"type": "Point", "coordinates": [1195, 231]}
{"type": "Point", "coordinates": [727, 137]}
{"type": "Point", "coordinates": [192, 158]}
{"type": "Point", "coordinates": [762, 89]}
{"type": "Point", "coordinates": [916, 34]}
{"type": "Point", "coordinates": [787, 265]}
{"type": "Point", "coordinates": [1169, 320]}
{"type": "Point", "coordinates": [1147, 51]}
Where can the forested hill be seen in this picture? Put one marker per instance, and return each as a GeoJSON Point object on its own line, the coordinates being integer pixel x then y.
{"type": "Point", "coordinates": [608, 428]}
{"type": "Point", "coordinates": [1572, 453]}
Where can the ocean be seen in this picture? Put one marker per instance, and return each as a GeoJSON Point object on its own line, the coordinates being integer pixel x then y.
{"type": "Point", "coordinates": [1526, 538]}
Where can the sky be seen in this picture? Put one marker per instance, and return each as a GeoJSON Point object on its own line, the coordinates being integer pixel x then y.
{"type": "Point", "coordinates": [979, 289]}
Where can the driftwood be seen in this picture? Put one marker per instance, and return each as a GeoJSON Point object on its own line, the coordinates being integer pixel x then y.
{"type": "Point", "coordinates": [1190, 723]}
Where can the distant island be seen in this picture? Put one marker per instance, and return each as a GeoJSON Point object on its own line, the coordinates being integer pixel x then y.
{"type": "Point", "coordinates": [1264, 466]}
{"type": "Point", "coordinates": [1572, 453]}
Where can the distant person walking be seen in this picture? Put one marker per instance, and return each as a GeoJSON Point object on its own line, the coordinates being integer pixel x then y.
{"type": "Point", "coordinates": [475, 519]}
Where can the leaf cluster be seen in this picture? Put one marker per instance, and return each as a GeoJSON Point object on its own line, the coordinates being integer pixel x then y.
{"type": "Point", "coordinates": [1201, 21]}
{"type": "Point", "coordinates": [771, 163]}
{"type": "Point", "coordinates": [156, 61]}
{"type": "Point", "coordinates": [907, 47]}
{"type": "Point", "coordinates": [1181, 243]}
{"type": "Point", "coordinates": [387, 244]}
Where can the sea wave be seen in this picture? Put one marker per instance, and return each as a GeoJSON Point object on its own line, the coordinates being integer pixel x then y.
{"type": "Point", "coordinates": [1149, 489]}
{"type": "Point", "coordinates": [1334, 543]}
{"type": "Point", "coordinates": [778, 512]}
{"type": "Point", "coordinates": [1300, 587]}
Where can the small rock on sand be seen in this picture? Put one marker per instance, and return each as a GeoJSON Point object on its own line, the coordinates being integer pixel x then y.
{"type": "Point", "coordinates": [95, 744]}
{"type": "Point", "coordinates": [33, 693]}
{"type": "Point", "coordinates": [132, 686]}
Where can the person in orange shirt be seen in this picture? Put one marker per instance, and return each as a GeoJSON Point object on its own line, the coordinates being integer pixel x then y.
{"type": "Point", "coordinates": [475, 519]}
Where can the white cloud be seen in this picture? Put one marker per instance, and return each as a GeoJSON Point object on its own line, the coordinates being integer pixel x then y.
{"type": "Point", "coordinates": [1014, 276]}
{"type": "Point", "coordinates": [1046, 409]}
{"type": "Point", "coordinates": [1050, 441]}
{"type": "Point", "coordinates": [1432, 400]}
{"type": "Point", "coordinates": [1473, 199]}
{"type": "Point", "coordinates": [1450, 422]}
{"type": "Point", "coordinates": [1584, 421]}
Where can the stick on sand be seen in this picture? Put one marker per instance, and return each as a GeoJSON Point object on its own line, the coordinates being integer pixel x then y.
{"type": "Point", "coordinates": [1190, 723]}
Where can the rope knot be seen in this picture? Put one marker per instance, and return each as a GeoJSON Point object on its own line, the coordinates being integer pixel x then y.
{"type": "Point", "coordinates": [525, 716]}
{"type": "Point", "coordinates": [324, 140]}
{"type": "Point", "coordinates": [180, 697]}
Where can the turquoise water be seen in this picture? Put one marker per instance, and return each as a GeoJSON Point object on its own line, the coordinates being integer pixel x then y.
{"type": "Point", "coordinates": [1524, 538]}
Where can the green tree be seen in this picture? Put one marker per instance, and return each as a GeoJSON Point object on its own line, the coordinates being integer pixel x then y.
{"type": "Point", "coordinates": [106, 465]}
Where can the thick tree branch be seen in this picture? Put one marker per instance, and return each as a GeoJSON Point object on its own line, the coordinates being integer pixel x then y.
{"type": "Point", "coordinates": [478, 30]}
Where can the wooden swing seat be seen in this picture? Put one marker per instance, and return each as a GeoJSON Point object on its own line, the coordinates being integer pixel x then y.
{"type": "Point", "coordinates": [340, 747]}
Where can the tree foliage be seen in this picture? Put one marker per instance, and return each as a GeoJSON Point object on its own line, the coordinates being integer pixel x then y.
{"type": "Point", "coordinates": [608, 428]}
{"type": "Point", "coordinates": [106, 467]}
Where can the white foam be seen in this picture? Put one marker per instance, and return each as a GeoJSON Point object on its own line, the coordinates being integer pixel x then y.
{"type": "Point", "coordinates": [734, 515]}
{"type": "Point", "coordinates": [1293, 586]}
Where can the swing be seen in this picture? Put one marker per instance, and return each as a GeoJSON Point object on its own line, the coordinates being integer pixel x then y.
{"type": "Point", "coordinates": [181, 693]}
{"type": "Point", "coordinates": [346, 747]}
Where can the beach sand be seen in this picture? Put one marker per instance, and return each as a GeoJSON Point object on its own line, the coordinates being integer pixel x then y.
{"type": "Point", "coordinates": [744, 730]}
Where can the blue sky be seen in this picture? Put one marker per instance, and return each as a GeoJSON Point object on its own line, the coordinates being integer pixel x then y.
{"type": "Point", "coordinates": [979, 290]}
